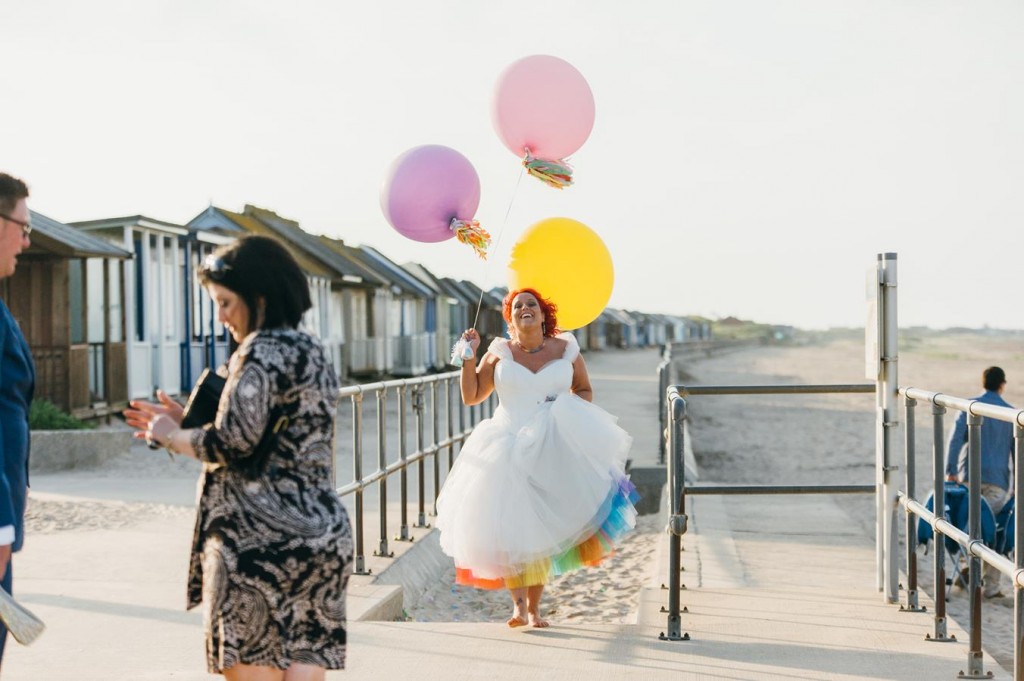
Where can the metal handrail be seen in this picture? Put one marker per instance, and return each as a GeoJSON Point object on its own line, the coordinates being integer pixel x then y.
{"type": "Point", "coordinates": [971, 541]}
{"type": "Point", "coordinates": [380, 391]}
{"type": "Point", "coordinates": [677, 519]}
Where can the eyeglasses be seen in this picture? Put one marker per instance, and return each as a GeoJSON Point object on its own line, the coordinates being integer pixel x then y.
{"type": "Point", "coordinates": [26, 227]}
{"type": "Point", "coordinates": [215, 267]}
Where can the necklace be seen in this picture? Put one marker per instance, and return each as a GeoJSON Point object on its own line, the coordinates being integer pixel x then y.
{"type": "Point", "coordinates": [536, 349]}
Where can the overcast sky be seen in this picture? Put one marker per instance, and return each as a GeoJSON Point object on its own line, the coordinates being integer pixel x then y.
{"type": "Point", "coordinates": [749, 157]}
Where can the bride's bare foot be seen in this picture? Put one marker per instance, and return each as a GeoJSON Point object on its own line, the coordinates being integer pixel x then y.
{"type": "Point", "coordinates": [516, 621]}
{"type": "Point", "coordinates": [538, 622]}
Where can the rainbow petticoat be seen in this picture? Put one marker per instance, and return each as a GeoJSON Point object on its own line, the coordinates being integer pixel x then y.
{"type": "Point", "coordinates": [615, 520]}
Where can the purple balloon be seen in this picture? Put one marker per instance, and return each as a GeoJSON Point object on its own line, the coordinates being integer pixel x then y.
{"type": "Point", "coordinates": [425, 188]}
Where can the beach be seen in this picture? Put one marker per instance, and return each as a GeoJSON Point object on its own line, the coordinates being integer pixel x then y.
{"type": "Point", "coordinates": [769, 439]}
{"type": "Point", "coordinates": [830, 439]}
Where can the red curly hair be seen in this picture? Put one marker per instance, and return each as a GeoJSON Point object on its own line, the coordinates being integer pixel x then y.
{"type": "Point", "coordinates": [549, 309]}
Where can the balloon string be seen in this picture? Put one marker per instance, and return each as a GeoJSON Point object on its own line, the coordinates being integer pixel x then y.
{"type": "Point", "coordinates": [497, 240]}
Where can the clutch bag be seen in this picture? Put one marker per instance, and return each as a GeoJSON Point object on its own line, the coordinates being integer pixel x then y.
{"type": "Point", "coordinates": [202, 404]}
{"type": "Point", "coordinates": [23, 625]}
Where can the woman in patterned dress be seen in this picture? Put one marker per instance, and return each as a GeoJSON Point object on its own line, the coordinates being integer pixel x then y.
{"type": "Point", "coordinates": [272, 551]}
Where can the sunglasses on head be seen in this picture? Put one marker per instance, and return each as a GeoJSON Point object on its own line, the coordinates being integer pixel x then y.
{"type": "Point", "coordinates": [215, 267]}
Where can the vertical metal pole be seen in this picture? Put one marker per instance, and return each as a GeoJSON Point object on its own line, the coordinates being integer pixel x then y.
{"type": "Point", "coordinates": [662, 408]}
{"type": "Point", "coordinates": [403, 474]}
{"type": "Point", "coordinates": [421, 468]}
{"type": "Point", "coordinates": [451, 424]}
{"type": "Point", "coordinates": [1018, 555]}
{"type": "Point", "coordinates": [675, 544]}
{"type": "Point", "coordinates": [910, 454]}
{"type": "Point", "coordinates": [939, 507]}
{"type": "Point", "coordinates": [357, 474]}
{"type": "Point", "coordinates": [879, 437]}
{"type": "Point", "coordinates": [437, 438]}
{"type": "Point", "coordinates": [382, 463]}
{"type": "Point", "coordinates": [975, 662]}
{"type": "Point", "coordinates": [676, 519]}
{"type": "Point", "coordinates": [334, 446]}
{"type": "Point", "coordinates": [888, 390]}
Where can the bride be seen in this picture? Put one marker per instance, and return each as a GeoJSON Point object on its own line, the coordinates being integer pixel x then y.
{"type": "Point", "coordinates": [539, 489]}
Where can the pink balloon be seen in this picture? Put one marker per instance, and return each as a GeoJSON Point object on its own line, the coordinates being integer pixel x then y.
{"type": "Point", "coordinates": [425, 188]}
{"type": "Point", "coordinates": [542, 103]}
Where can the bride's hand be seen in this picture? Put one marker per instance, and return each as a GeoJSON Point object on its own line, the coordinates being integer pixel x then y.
{"type": "Point", "coordinates": [473, 338]}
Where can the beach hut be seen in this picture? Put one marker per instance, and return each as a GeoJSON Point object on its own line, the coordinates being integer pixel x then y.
{"type": "Point", "coordinates": [490, 323]}
{"type": "Point", "coordinates": [451, 310]}
{"type": "Point", "coordinates": [598, 331]}
{"type": "Point", "coordinates": [409, 328]}
{"type": "Point", "coordinates": [193, 340]}
{"type": "Point", "coordinates": [621, 329]}
{"type": "Point", "coordinates": [463, 314]}
{"type": "Point", "coordinates": [155, 298]}
{"type": "Point", "coordinates": [302, 246]}
{"type": "Point", "coordinates": [363, 349]}
{"type": "Point", "coordinates": [68, 296]}
{"type": "Point", "coordinates": [650, 329]}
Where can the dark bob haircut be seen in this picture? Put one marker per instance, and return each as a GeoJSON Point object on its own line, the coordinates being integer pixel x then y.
{"type": "Point", "coordinates": [549, 309]}
{"type": "Point", "coordinates": [257, 267]}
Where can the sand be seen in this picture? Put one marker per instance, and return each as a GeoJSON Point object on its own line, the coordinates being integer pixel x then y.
{"type": "Point", "coordinates": [831, 439]}
{"type": "Point", "coordinates": [607, 594]}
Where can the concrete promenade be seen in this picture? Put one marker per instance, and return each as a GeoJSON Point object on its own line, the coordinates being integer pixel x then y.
{"type": "Point", "coordinates": [768, 595]}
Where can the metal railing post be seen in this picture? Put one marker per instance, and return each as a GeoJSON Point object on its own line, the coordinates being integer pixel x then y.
{"type": "Point", "coordinates": [382, 463]}
{"type": "Point", "coordinates": [418, 407]}
{"type": "Point", "coordinates": [975, 662]}
{"type": "Point", "coordinates": [357, 473]}
{"type": "Point", "coordinates": [403, 475]}
{"type": "Point", "coordinates": [451, 424]}
{"type": "Point", "coordinates": [910, 454]}
{"type": "Point", "coordinates": [662, 408]}
{"type": "Point", "coordinates": [1018, 556]}
{"type": "Point", "coordinates": [437, 433]}
{"type": "Point", "coordinates": [938, 507]}
{"type": "Point", "coordinates": [888, 391]}
{"type": "Point", "coordinates": [676, 519]}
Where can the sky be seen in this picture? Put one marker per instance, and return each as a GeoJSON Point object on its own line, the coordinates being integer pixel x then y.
{"type": "Point", "coordinates": [748, 158]}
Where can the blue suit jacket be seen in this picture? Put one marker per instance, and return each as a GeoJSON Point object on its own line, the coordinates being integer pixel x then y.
{"type": "Point", "coordinates": [17, 382]}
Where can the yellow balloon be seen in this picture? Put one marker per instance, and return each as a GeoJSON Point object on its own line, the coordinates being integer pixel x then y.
{"type": "Point", "coordinates": [566, 262]}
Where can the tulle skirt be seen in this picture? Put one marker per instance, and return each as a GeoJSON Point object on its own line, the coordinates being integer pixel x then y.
{"type": "Point", "coordinates": [531, 500]}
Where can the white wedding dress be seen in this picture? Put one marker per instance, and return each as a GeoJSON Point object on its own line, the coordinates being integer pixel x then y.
{"type": "Point", "coordinates": [538, 489]}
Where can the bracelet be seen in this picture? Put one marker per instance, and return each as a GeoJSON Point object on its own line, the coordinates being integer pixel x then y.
{"type": "Point", "coordinates": [169, 446]}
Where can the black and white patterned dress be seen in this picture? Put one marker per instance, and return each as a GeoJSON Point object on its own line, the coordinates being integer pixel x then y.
{"type": "Point", "coordinates": [272, 555]}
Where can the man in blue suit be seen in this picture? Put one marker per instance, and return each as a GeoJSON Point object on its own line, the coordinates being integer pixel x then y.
{"type": "Point", "coordinates": [17, 381]}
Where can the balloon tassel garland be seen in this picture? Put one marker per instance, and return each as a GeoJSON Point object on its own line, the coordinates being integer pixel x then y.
{"type": "Point", "coordinates": [557, 174]}
{"type": "Point", "coordinates": [472, 234]}
{"type": "Point", "coordinates": [461, 352]}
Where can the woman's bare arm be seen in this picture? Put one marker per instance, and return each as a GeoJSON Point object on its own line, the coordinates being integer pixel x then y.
{"type": "Point", "coordinates": [477, 382]}
{"type": "Point", "coordinates": [581, 380]}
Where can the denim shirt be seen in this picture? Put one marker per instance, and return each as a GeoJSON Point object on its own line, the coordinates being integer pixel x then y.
{"type": "Point", "coordinates": [996, 445]}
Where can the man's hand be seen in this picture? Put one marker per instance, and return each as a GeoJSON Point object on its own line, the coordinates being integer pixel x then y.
{"type": "Point", "coordinates": [5, 559]}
